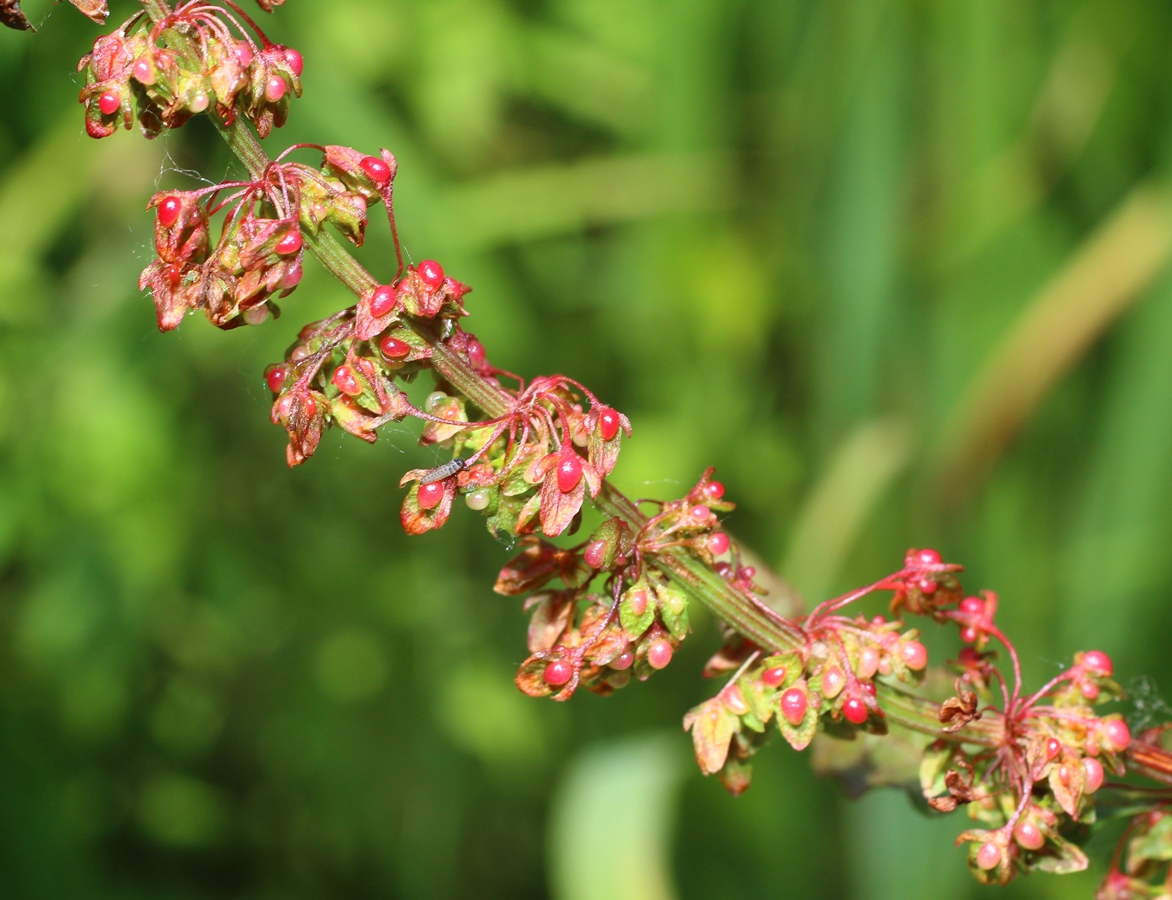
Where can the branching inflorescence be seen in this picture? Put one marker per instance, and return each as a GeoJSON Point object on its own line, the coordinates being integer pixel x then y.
{"type": "Point", "coordinates": [528, 455]}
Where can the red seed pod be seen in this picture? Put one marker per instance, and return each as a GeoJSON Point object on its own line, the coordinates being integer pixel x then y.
{"type": "Point", "coordinates": [659, 654]}
{"type": "Point", "coordinates": [275, 88]}
{"type": "Point", "coordinates": [1098, 663]}
{"type": "Point", "coordinates": [558, 673]}
{"type": "Point", "coordinates": [431, 273]}
{"type": "Point", "coordinates": [275, 378]}
{"type": "Point", "coordinates": [637, 600]}
{"type": "Point", "coordinates": [608, 423]}
{"type": "Point", "coordinates": [1116, 735]}
{"type": "Point", "coordinates": [109, 102]}
{"type": "Point", "coordinates": [289, 243]}
{"type": "Point", "coordinates": [595, 554]}
{"type": "Point", "coordinates": [383, 300]}
{"type": "Point", "coordinates": [833, 681]}
{"type": "Point", "coordinates": [714, 490]}
{"type": "Point", "coordinates": [794, 704]}
{"type": "Point", "coordinates": [925, 557]}
{"type": "Point", "coordinates": [855, 710]}
{"type": "Point", "coordinates": [430, 495]}
{"type": "Point", "coordinates": [377, 170]}
{"type": "Point", "coordinates": [718, 543]}
{"type": "Point", "coordinates": [868, 662]}
{"type": "Point", "coordinates": [393, 348]}
{"type": "Point", "coordinates": [1028, 835]}
{"type": "Point", "coordinates": [168, 210]}
{"type": "Point", "coordinates": [569, 470]}
{"type": "Point", "coordinates": [623, 661]}
{"type": "Point", "coordinates": [296, 63]}
{"type": "Point", "coordinates": [1092, 775]}
{"type": "Point", "coordinates": [989, 856]}
{"type": "Point", "coordinates": [773, 677]}
{"type": "Point", "coordinates": [346, 381]}
{"type": "Point", "coordinates": [914, 655]}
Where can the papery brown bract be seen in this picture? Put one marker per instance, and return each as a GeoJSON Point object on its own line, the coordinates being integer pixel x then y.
{"type": "Point", "coordinates": [550, 615]}
{"type": "Point", "coordinates": [712, 726]}
{"type": "Point", "coordinates": [12, 17]}
{"type": "Point", "coordinates": [302, 413]}
{"type": "Point", "coordinates": [94, 9]}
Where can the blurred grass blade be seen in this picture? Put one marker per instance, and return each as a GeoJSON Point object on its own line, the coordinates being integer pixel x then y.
{"type": "Point", "coordinates": [1112, 268]}
{"type": "Point", "coordinates": [611, 820]}
{"type": "Point", "coordinates": [540, 201]}
{"type": "Point", "coordinates": [842, 502]}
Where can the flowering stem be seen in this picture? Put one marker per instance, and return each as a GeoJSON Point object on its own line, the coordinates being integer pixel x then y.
{"type": "Point", "coordinates": [757, 622]}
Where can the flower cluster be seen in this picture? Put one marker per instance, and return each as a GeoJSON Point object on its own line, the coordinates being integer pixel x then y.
{"type": "Point", "coordinates": [198, 57]}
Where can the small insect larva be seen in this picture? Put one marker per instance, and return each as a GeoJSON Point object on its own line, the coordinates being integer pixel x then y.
{"type": "Point", "coordinates": [439, 473]}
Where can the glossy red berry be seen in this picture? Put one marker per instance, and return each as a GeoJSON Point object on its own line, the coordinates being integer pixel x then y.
{"type": "Point", "coordinates": [868, 662]}
{"type": "Point", "coordinates": [914, 655]}
{"type": "Point", "coordinates": [971, 606]}
{"type": "Point", "coordinates": [855, 710]}
{"type": "Point", "coordinates": [608, 423]}
{"type": "Point", "coordinates": [346, 381]}
{"type": "Point", "coordinates": [289, 244]}
{"type": "Point", "coordinates": [296, 63]}
{"type": "Point", "coordinates": [168, 211]}
{"type": "Point", "coordinates": [594, 554]}
{"type": "Point", "coordinates": [732, 698]}
{"type": "Point", "coordinates": [393, 348]}
{"type": "Point", "coordinates": [109, 102]}
{"type": "Point", "coordinates": [659, 654]}
{"type": "Point", "coordinates": [867, 687]}
{"type": "Point", "coordinates": [989, 856]}
{"type": "Point", "coordinates": [714, 490]}
{"type": "Point", "coordinates": [431, 274]}
{"type": "Point", "coordinates": [794, 704]}
{"type": "Point", "coordinates": [142, 71]}
{"type": "Point", "coordinates": [1116, 735]}
{"type": "Point", "coordinates": [558, 673]}
{"type": "Point", "coordinates": [476, 353]}
{"type": "Point", "coordinates": [275, 88]}
{"type": "Point", "coordinates": [925, 557]}
{"type": "Point", "coordinates": [623, 661]}
{"type": "Point", "coordinates": [717, 543]}
{"type": "Point", "coordinates": [293, 275]}
{"type": "Point", "coordinates": [1092, 775]}
{"type": "Point", "coordinates": [637, 601]}
{"type": "Point", "coordinates": [275, 378]}
{"type": "Point", "coordinates": [1028, 835]}
{"type": "Point", "coordinates": [383, 300]}
{"type": "Point", "coordinates": [243, 52]}
{"type": "Point", "coordinates": [1098, 662]}
{"type": "Point", "coordinates": [1053, 748]}
{"type": "Point", "coordinates": [773, 677]}
{"type": "Point", "coordinates": [430, 495]}
{"type": "Point", "coordinates": [833, 681]}
{"type": "Point", "coordinates": [700, 513]}
{"type": "Point", "coordinates": [569, 470]}
{"type": "Point", "coordinates": [376, 169]}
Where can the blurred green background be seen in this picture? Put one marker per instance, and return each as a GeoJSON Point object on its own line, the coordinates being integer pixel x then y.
{"type": "Point", "coordinates": [897, 268]}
